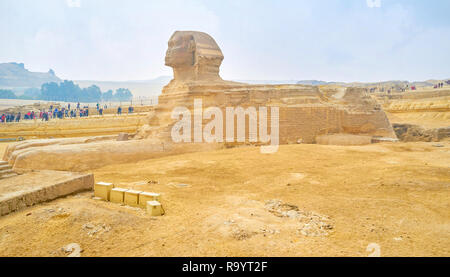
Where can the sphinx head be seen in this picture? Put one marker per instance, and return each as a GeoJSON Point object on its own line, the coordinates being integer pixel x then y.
{"type": "Point", "coordinates": [194, 56]}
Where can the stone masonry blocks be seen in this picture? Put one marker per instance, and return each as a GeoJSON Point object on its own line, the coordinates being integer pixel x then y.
{"type": "Point", "coordinates": [103, 190]}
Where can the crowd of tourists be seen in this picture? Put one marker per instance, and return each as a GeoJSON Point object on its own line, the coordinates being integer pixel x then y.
{"type": "Point", "coordinates": [439, 85]}
{"type": "Point", "coordinates": [57, 112]}
{"type": "Point", "coordinates": [10, 117]}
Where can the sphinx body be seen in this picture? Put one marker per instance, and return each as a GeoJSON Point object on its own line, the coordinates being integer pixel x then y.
{"type": "Point", "coordinates": [305, 113]}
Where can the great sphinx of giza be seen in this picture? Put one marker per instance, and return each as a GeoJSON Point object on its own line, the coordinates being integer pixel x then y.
{"type": "Point", "coordinates": [304, 114]}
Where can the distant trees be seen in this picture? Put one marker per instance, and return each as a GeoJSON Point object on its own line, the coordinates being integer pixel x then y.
{"type": "Point", "coordinates": [107, 96]}
{"type": "Point", "coordinates": [123, 94]}
{"type": "Point", "coordinates": [69, 92]}
{"type": "Point", "coordinates": [31, 94]}
{"type": "Point", "coordinates": [51, 91]}
{"type": "Point", "coordinates": [7, 94]}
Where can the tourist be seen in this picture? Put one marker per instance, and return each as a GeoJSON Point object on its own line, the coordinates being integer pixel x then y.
{"type": "Point", "coordinates": [18, 117]}
{"type": "Point", "coordinates": [119, 110]}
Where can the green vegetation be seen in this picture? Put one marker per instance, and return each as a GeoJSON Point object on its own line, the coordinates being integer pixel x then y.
{"type": "Point", "coordinates": [47, 86]}
{"type": "Point", "coordinates": [69, 92]}
{"type": "Point", "coordinates": [7, 94]}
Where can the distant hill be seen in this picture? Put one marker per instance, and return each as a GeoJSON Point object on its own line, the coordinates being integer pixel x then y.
{"type": "Point", "coordinates": [267, 82]}
{"type": "Point", "coordinates": [15, 75]}
{"type": "Point", "coordinates": [312, 82]}
{"type": "Point", "coordinates": [386, 84]}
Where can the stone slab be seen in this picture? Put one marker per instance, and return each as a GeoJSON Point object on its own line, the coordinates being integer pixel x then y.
{"type": "Point", "coordinates": [103, 190]}
{"type": "Point", "coordinates": [148, 196]}
{"type": "Point", "coordinates": [117, 195]}
{"type": "Point", "coordinates": [154, 208]}
{"type": "Point", "coordinates": [131, 198]}
{"type": "Point", "coordinates": [31, 188]}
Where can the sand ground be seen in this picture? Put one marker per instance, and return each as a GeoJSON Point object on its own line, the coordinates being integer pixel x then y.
{"type": "Point", "coordinates": [335, 201]}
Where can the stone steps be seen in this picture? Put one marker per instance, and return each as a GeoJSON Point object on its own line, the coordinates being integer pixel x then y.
{"type": "Point", "coordinates": [6, 170]}
{"type": "Point", "coordinates": [5, 166]}
{"type": "Point", "coordinates": [8, 175]}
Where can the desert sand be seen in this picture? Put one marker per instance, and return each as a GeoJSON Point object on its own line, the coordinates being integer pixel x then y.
{"type": "Point", "coordinates": [218, 204]}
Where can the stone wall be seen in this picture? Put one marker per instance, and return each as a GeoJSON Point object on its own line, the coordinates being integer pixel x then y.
{"type": "Point", "coordinates": [78, 127]}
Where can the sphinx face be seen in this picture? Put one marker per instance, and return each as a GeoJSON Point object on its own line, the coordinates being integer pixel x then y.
{"type": "Point", "coordinates": [181, 50]}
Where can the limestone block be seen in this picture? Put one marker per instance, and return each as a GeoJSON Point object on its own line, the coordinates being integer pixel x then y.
{"type": "Point", "coordinates": [122, 137]}
{"type": "Point", "coordinates": [93, 155]}
{"type": "Point", "coordinates": [103, 190]}
{"type": "Point", "coordinates": [343, 139]}
{"type": "Point", "coordinates": [154, 208]}
{"type": "Point", "coordinates": [36, 187]}
{"type": "Point", "coordinates": [117, 195]}
{"type": "Point", "coordinates": [131, 198]}
{"type": "Point", "coordinates": [148, 196]}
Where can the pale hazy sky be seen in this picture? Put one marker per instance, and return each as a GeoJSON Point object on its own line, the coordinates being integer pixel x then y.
{"type": "Point", "coordinates": [332, 40]}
